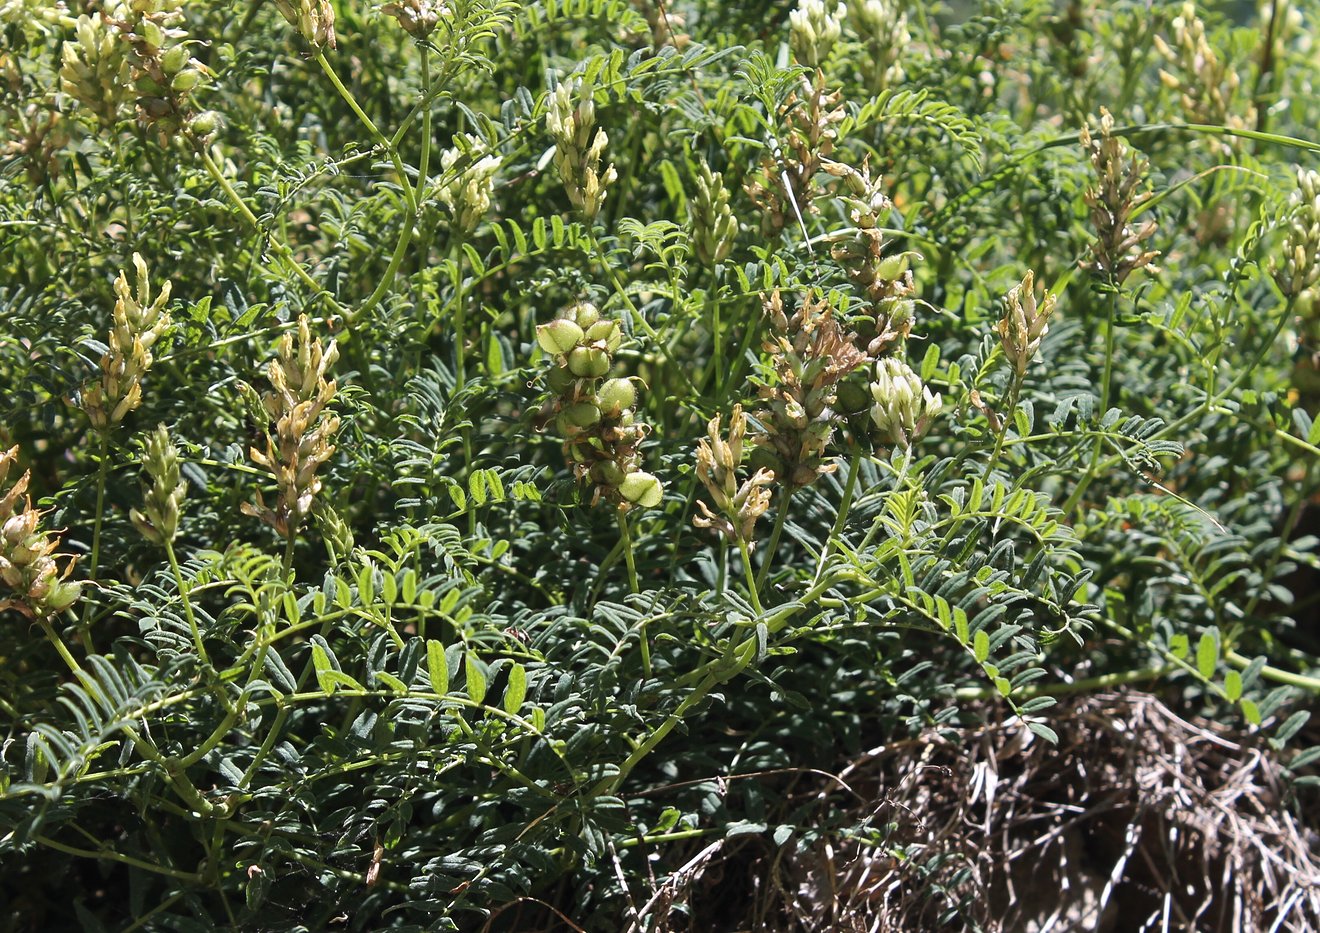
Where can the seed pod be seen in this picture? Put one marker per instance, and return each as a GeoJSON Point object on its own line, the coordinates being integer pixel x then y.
{"type": "Point", "coordinates": [615, 395]}
{"type": "Point", "coordinates": [588, 362]}
{"type": "Point", "coordinates": [559, 336]}
{"type": "Point", "coordinates": [641, 488]}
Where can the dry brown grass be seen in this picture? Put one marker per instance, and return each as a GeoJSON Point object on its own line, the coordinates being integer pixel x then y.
{"type": "Point", "coordinates": [1139, 820]}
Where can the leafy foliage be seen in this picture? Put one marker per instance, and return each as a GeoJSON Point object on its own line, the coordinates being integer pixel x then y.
{"type": "Point", "coordinates": [451, 686]}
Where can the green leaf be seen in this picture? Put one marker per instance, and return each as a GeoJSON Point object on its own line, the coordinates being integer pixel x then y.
{"type": "Point", "coordinates": [1292, 724]}
{"type": "Point", "coordinates": [981, 646]}
{"type": "Point", "coordinates": [389, 680]}
{"type": "Point", "coordinates": [1251, 712]}
{"type": "Point", "coordinates": [516, 691]}
{"type": "Point", "coordinates": [1207, 655]}
{"type": "Point", "coordinates": [1003, 685]}
{"type": "Point", "coordinates": [1044, 731]}
{"type": "Point", "coordinates": [321, 664]}
{"type": "Point", "coordinates": [437, 666]}
{"type": "Point", "coordinates": [476, 677]}
{"type": "Point", "coordinates": [1233, 686]}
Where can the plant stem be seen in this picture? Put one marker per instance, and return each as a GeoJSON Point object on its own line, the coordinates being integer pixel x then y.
{"type": "Point", "coordinates": [637, 318]}
{"type": "Point", "coordinates": [845, 505]}
{"type": "Point", "coordinates": [772, 548]}
{"type": "Point", "coordinates": [1105, 388]}
{"type": "Point", "coordinates": [630, 560]}
{"type": "Point", "coordinates": [460, 319]}
{"type": "Point", "coordinates": [1014, 390]}
{"type": "Point", "coordinates": [280, 249]}
{"type": "Point", "coordinates": [187, 603]}
{"type": "Point", "coordinates": [94, 560]}
{"type": "Point", "coordinates": [752, 592]}
{"type": "Point", "coordinates": [628, 557]}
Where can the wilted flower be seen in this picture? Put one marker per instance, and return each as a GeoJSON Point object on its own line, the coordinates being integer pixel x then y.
{"type": "Point", "coordinates": [417, 17]}
{"type": "Point", "coordinates": [304, 427]}
{"type": "Point", "coordinates": [1024, 324]}
{"type": "Point", "coordinates": [1118, 248]}
{"type": "Point", "coordinates": [903, 406]}
{"type": "Point", "coordinates": [314, 20]}
{"type": "Point", "coordinates": [29, 564]}
{"type": "Point", "coordinates": [739, 504]}
{"type": "Point", "coordinates": [811, 354]}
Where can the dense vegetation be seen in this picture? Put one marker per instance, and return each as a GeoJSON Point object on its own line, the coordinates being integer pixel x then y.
{"type": "Point", "coordinates": [579, 464]}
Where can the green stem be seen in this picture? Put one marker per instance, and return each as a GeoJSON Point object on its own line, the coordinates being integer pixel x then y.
{"type": "Point", "coordinates": [280, 249]}
{"type": "Point", "coordinates": [628, 557]}
{"type": "Point", "coordinates": [1014, 390]}
{"type": "Point", "coordinates": [390, 149]}
{"type": "Point", "coordinates": [638, 320]}
{"type": "Point", "coordinates": [460, 320]}
{"type": "Point", "coordinates": [63, 650]}
{"type": "Point", "coordinates": [752, 591]}
{"type": "Point", "coordinates": [187, 603]}
{"type": "Point", "coordinates": [113, 856]}
{"type": "Point", "coordinates": [1278, 675]}
{"type": "Point", "coordinates": [845, 504]}
{"type": "Point", "coordinates": [94, 560]}
{"type": "Point", "coordinates": [773, 547]}
{"type": "Point", "coordinates": [1093, 468]}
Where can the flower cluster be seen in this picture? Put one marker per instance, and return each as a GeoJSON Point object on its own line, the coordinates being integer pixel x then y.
{"type": "Point", "coordinates": [94, 68]}
{"type": "Point", "coordinates": [29, 565]}
{"type": "Point", "coordinates": [784, 184]}
{"type": "Point", "coordinates": [1118, 248]}
{"type": "Point", "coordinates": [579, 154]}
{"type": "Point", "coordinates": [739, 504]}
{"type": "Point", "coordinates": [139, 321]}
{"type": "Point", "coordinates": [902, 406]}
{"type": "Point", "coordinates": [1025, 323]}
{"type": "Point", "coordinates": [467, 189]}
{"type": "Point", "coordinates": [813, 29]}
{"type": "Point", "coordinates": [164, 73]}
{"type": "Point", "coordinates": [1206, 85]}
{"type": "Point", "coordinates": [158, 520]}
{"type": "Point", "coordinates": [882, 27]}
{"type": "Point", "coordinates": [713, 226]}
{"type": "Point", "coordinates": [417, 17]}
{"type": "Point", "coordinates": [133, 50]}
{"type": "Point", "coordinates": [885, 281]}
{"type": "Point", "coordinates": [297, 403]}
{"type": "Point", "coordinates": [810, 354]}
{"type": "Point", "coordinates": [1300, 269]}
{"type": "Point", "coordinates": [594, 414]}
{"type": "Point", "coordinates": [314, 20]}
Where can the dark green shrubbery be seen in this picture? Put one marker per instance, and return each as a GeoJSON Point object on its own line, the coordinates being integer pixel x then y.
{"type": "Point", "coordinates": [461, 458]}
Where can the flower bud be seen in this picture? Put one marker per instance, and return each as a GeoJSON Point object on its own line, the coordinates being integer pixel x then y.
{"type": "Point", "coordinates": [903, 406]}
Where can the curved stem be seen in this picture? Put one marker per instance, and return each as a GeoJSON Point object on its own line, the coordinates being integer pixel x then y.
{"type": "Point", "coordinates": [772, 548]}
{"type": "Point", "coordinates": [187, 603]}
{"type": "Point", "coordinates": [94, 561]}
{"type": "Point", "coordinates": [752, 592]}
{"type": "Point", "coordinates": [279, 248]}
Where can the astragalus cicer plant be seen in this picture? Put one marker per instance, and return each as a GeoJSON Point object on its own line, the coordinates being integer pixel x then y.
{"type": "Point", "coordinates": [677, 409]}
